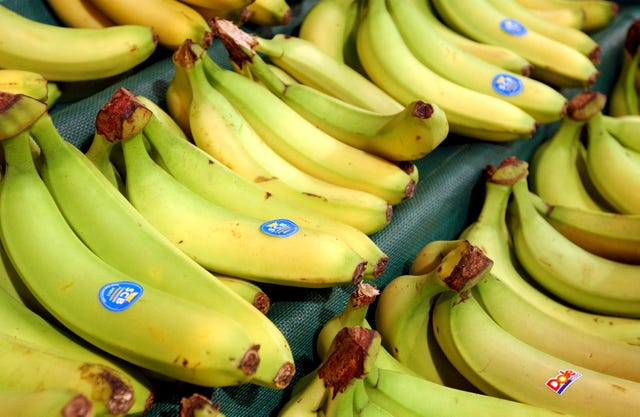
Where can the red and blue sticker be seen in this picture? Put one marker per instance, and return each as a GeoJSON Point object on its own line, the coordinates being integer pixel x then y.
{"type": "Point", "coordinates": [561, 382]}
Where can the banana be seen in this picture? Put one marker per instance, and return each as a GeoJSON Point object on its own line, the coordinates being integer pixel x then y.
{"type": "Point", "coordinates": [574, 38]}
{"type": "Point", "coordinates": [99, 153]}
{"type": "Point", "coordinates": [310, 65]}
{"type": "Point", "coordinates": [542, 102]}
{"type": "Point", "coordinates": [495, 54]}
{"type": "Point", "coordinates": [610, 235]}
{"type": "Point", "coordinates": [570, 17]}
{"type": "Point", "coordinates": [28, 367]}
{"type": "Point", "coordinates": [553, 62]}
{"type": "Point", "coordinates": [237, 145]}
{"type": "Point", "coordinates": [623, 98]}
{"type": "Point", "coordinates": [625, 129]}
{"type": "Point", "coordinates": [79, 14]}
{"type": "Point", "coordinates": [505, 367]}
{"type": "Point", "coordinates": [195, 344]}
{"type": "Point", "coordinates": [172, 20]}
{"type": "Point", "coordinates": [50, 402]}
{"type": "Point", "coordinates": [391, 64]}
{"type": "Point", "coordinates": [305, 145]}
{"type": "Point", "coordinates": [214, 181]}
{"type": "Point", "coordinates": [403, 136]}
{"type": "Point", "coordinates": [340, 404]}
{"type": "Point", "coordinates": [563, 268]}
{"type": "Point", "coordinates": [29, 83]}
{"type": "Point", "coordinates": [18, 112]}
{"type": "Point", "coordinates": [164, 266]}
{"type": "Point", "coordinates": [613, 169]}
{"type": "Point", "coordinates": [248, 290]}
{"type": "Point", "coordinates": [596, 13]}
{"type": "Point", "coordinates": [307, 398]}
{"type": "Point", "coordinates": [72, 54]}
{"type": "Point", "coordinates": [269, 12]}
{"type": "Point", "coordinates": [328, 25]}
{"type": "Point", "coordinates": [197, 405]}
{"type": "Point", "coordinates": [402, 314]}
{"type": "Point", "coordinates": [489, 232]}
{"type": "Point", "coordinates": [239, 16]}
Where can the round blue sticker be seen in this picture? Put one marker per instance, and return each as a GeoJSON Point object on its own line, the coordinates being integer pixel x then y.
{"type": "Point", "coordinates": [118, 296]}
{"type": "Point", "coordinates": [279, 227]}
{"type": "Point", "coordinates": [513, 27]}
{"type": "Point", "coordinates": [507, 84]}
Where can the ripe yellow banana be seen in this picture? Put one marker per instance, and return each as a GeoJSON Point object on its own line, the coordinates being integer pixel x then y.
{"type": "Point", "coordinates": [570, 17]}
{"type": "Point", "coordinates": [542, 102]}
{"type": "Point", "coordinates": [269, 12]}
{"type": "Point", "coordinates": [215, 182]}
{"type": "Point", "coordinates": [310, 65]}
{"type": "Point", "coordinates": [613, 168]}
{"type": "Point", "coordinates": [172, 20]}
{"type": "Point", "coordinates": [218, 128]}
{"type": "Point", "coordinates": [50, 402]}
{"type": "Point", "coordinates": [29, 83]}
{"type": "Point", "coordinates": [328, 24]}
{"type": "Point", "coordinates": [596, 13]}
{"type": "Point", "coordinates": [553, 62]}
{"type": "Point", "coordinates": [71, 54]}
{"type": "Point", "coordinates": [79, 14]}
{"type": "Point", "coordinates": [625, 129]}
{"type": "Point", "coordinates": [390, 64]}
{"type": "Point", "coordinates": [406, 135]}
{"type": "Point", "coordinates": [505, 367]}
{"type": "Point", "coordinates": [574, 275]}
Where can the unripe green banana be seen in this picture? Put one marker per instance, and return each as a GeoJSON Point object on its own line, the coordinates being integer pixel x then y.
{"type": "Point", "coordinates": [625, 129]}
{"type": "Point", "coordinates": [212, 180]}
{"type": "Point", "coordinates": [72, 54]}
{"type": "Point", "coordinates": [623, 98]}
{"type": "Point", "coordinates": [50, 402]}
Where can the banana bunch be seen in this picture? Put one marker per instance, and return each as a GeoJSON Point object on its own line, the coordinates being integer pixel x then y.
{"type": "Point", "coordinates": [72, 54]}
{"type": "Point", "coordinates": [388, 39]}
{"type": "Point", "coordinates": [623, 99]}
{"type": "Point", "coordinates": [210, 335]}
{"type": "Point", "coordinates": [505, 327]}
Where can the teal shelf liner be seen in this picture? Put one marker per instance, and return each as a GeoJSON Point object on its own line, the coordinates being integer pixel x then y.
{"type": "Point", "coordinates": [447, 198]}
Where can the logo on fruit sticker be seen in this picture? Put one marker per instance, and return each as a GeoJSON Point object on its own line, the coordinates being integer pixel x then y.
{"type": "Point", "coordinates": [513, 27]}
{"type": "Point", "coordinates": [560, 382]}
{"type": "Point", "coordinates": [118, 296]}
{"type": "Point", "coordinates": [279, 227]}
{"type": "Point", "coordinates": [507, 84]}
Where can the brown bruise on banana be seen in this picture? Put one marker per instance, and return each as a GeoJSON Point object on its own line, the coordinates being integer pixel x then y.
{"type": "Point", "coordinates": [262, 302]}
{"type": "Point", "coordinates": [239, 44]}
{"type": "Point", "coordinates": [7, 100]}
{"type": "Point", "coordinates": [189, 406]}
{"type": "Point", "coordinates": [120, 394]}
{"type": "Point", "coordinates": [347, 359]}
{"type": "Point", "coordinates": [510, 170]}
{"type": "Point", "coordinates": [471, 265]}
{"type": "Point", "coordinates": [78, 406]}
{"type": "Point", "coordinates": [585, 104]}
{"type": "Point", "coordinates": [363, 295]}
{"type": "Point", "coordinates": [285, 375]}
{"type": "Point", "coordinates": [122, 117]}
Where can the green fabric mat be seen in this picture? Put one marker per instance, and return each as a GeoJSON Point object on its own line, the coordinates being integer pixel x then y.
{"type": "Point", "coordinates": [447, 198]}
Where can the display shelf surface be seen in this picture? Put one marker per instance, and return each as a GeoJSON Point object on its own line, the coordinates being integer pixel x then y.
{"type": "Point", "coordinates": [446, 199]}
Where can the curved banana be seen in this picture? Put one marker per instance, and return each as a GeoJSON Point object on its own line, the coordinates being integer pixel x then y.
{"type": "Point", "coordinates": [50, 402]}
{"type": "Point", "coordinates": [391, 64]}
{"type": "Point", "coordinates": [406, 135]}
{"type": "Point", "coordinates": [541, 101]}
{"type": "Point", "coordinates": [489, 232]}
{"type": "Point", "coordinates": [308, 396]}
{"type": "Point", "coordinates": [563, 268]}
{"type": "Point", "coordinates": [625, 129]}
{"type": "Point", "coordinates": [596, 13]}
{"type": "Point", "coordinates": [402, 313]}
{"type": "Point", "coordinates": [610, 235]}
{"type": "Point", "coordinates": [574, 38]}
{"type": "Point", "coordinates": [613, 169]}
{"type": "Point", "coordinates": [71, 54]}
{"type": "Point", "coordinates": [247, 290]}
{"type": "Point", "coordinates": [29, 83]}
{"type": "Point", "coordinates": [172, 20]}
{"type": "Point", "coordinates": [269, 12]}
{"type": "Point", "coordinates": [215, 182]}
{"type": "Point", "coordinates": [220, 130]}
{"type": "Point", "coordinates": [328, 25]}
{"type": "Point", "coordinates": [553, 62]}
{"type": "Point", "coordinates": [79, 14]}
{"type": "Point", "coordinates": [99, 153]}
{"type": "Point", "coordinates": [570, 17]}
{"type": "Point", "coordinates": [310, 65]}
{"type": "Point", "coordinates": [496, 362]}
{"type": "Point", "coordinates": [79, 289]}
{"type": "Point", "coordinates": [624, 97]}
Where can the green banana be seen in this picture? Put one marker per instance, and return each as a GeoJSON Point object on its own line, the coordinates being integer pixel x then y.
{"type": "Point", "coordinates": [50, 402]}
{"type": "Point", "coordinates": [623, 98]}
{"type": "Point", "coordinates": [625, 129]}
{"type": "Point", "coordinates": [18, 112]}
{"type": "Point", "coordinates": [214, 181]}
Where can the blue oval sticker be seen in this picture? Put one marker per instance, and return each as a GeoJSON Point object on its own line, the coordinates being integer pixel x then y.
{"type": "Point", "coordinates": [118, 296]}
{"type": "Point", "coordinates": [279, 227]}
{"type": "Point", "coordinates": [507, 84]}
{"type": "Point", "coordinates": [513, 27]}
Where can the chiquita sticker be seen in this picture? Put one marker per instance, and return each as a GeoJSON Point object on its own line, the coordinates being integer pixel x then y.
{"type": "Point", "coordinates": [513, 27]}
{"type": "Point", "coordinates": [279, 227]}
{"type": "Point", "coordinates": [561, 382]}
{"type": "Point", "coordinates": [507, 84]}
{"type": "Point", "coordinates": [118, 296]}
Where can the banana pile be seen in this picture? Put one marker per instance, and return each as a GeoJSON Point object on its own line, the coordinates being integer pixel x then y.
{"type": "Point", "coordinates": [461, 59]}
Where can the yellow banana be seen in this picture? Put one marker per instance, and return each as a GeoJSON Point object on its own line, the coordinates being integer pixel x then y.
{"type": "Point", "coordinates": [328, 24]}
{"type": "Point", "coordinates": [269, 12]}
{"type": "Point", "coordinates": [50, 402]}
{"type": "Point", "coordinates": [596, 13]}
{"type": "Point", "coordinates": [79, 14]}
